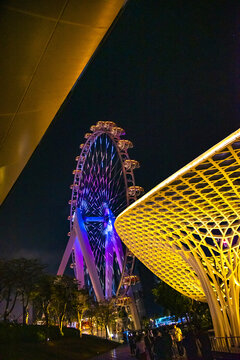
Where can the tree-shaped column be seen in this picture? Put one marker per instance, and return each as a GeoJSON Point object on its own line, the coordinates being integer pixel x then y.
{"type": "Point", "coordinates": [187, 230]}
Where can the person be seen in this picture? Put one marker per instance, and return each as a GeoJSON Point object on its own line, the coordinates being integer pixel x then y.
{"type": "Point", "coordinates": [141, 353]}
{"type": "Point", "coordinates": [148, 343]}
{"type": "Point", "coordinates": [189, 342]}
{"type": "Point", "coordinates": [205, 345]}
{"type": "Point", "coordinates": [132, 344]}
{"type": "Point", "coordinates": [177, 336]}
{"type": "Point", "coordinates": [124, 337]}
{"type": "Point", "coordinates": [158, 347]}
{"type": "Point", "coordinates": [167, 344]}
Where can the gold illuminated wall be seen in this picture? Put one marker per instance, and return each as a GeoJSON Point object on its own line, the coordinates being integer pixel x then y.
{"type": "Point", "coordinates": [187, 231]}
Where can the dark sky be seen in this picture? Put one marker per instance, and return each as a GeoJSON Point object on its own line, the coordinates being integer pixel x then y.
{"type": "Point", "coordinates": [169, 75]}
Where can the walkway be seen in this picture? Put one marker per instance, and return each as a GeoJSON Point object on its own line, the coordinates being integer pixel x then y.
{"type": "Point", "coordinates": [120, 353]}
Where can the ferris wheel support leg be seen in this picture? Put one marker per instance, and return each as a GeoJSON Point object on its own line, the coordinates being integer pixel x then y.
{"type": "Point", "coordinates": [79, 264]}
{"type": "Point", "coordinates": [108, 265]}
{"type": "Point", "coordinates": [133, 310]}
{"type": "Point", "coordinates": [118, 250]}
{"type": "Point", "coordinates": [135, 316]}
{"type": "Point", "coordinates": [87, 254]}
{"type": "Point", "coordinates": [67, 253]}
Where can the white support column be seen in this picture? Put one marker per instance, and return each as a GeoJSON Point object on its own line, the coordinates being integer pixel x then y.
{"type": "Point", "coordinates": [88, 255]}
{"type": "Point", "coordinates": [120, 258]}
{"type": "Point", "coordinates": [135, 316]}
{"type": "Point", "coordinates": [133, 310]}
{"type": "Point", "coordinates": [79, 270]}
{"type": "Point", "coordinates": [108, 265]}
{"type": "Point", "coordinates": [118, 249]}
{"type": "Point", "coordinates": [67, 253]}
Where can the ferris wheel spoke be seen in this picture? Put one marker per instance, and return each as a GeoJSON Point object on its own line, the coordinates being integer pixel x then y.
{"type": "Point", "coordinates": [108, 170]}
{"type": "Point", "coordinates": [104, 176]}
{"type": "Point", "coordinates": [117, 201]}
{"type": "Point", "coordinates": [94, 185]}
{"type": "Point", "coordinates": [93, 198]}
{"type": "Point", "coordinates": [117, 188]}
{"type": "Point", "coordinates": [89, 200]}
{"type": "Point", "coordinates": [117, 196]}
{"type": "Point", "coordinates": [115, 177]}
{"type": "Point", "coordinates": [120, 207]}
{"type": "Point", "coordinates": [113, 154]}
{"type": "Point", "coordinates": [100, 173]}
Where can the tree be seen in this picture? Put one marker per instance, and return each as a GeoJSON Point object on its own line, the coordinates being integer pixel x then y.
{"type": "Point", "coordinates": [29, 271]}
{"type": "Point", "coordinates": [91, 313]}
{"type": "Point", "coordinates": [43, 296]}
{"type": "Point", "coordinates": [8, 286]}
{"type": "Point", "coordinates": [200, 315]}
{"type": "Point", "coordinates": [145, 322]}
{"type": "Point", "coordinates": [18, 280]}
{"type": "Point", "coordinates": [107, 314]}
{"type": "Point", "coordinates": [98, 317]}
{"type": "Point", "coordinates": [172, 300]}
{"type": "Point", "coordinates": [123, 315]}
{"type": "Point", "coordinates": [182, 306]}
{"type": "Point", "coordinates": [82, 304]}
{"type": "Point", "coordinates": [64, 297]}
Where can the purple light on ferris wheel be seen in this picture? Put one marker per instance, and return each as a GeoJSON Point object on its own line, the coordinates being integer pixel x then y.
{"type": "Point", "coordinates": [100, 191]}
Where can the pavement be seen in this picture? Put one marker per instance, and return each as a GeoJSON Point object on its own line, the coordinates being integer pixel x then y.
{"type": "Point", "coordinates": [122, 352]}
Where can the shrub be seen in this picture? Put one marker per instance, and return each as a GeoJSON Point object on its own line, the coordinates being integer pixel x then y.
{"type": "Point", "coordinates": [70, 332]}
{"type": "Point", "coordinates": [32, 333]}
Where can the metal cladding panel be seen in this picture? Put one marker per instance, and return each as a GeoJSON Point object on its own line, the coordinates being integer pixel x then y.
{"type": "Point", "coordinates": [45, 46]}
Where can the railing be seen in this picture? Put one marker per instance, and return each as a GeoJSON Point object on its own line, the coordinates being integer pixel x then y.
{"type": "Point", "coordinates": [226, 344]}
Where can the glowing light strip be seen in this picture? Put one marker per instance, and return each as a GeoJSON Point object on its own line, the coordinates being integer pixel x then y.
{"type": "Point", "coordinates": [93, 219]}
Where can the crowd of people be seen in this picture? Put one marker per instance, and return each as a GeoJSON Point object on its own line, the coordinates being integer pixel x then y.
{"type": "Point", "coordinates": [168, 343]}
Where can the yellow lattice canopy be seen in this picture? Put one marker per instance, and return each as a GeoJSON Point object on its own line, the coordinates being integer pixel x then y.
{"type": "Point", "coordinates": [187, 229]}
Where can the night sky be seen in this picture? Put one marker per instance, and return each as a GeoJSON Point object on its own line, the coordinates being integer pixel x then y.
{"type": "Point", "coordinates": [168, 73]}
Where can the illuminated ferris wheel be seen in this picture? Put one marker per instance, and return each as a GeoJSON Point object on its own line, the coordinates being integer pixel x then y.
{"type": "Point", "coordinates": [103, 186]}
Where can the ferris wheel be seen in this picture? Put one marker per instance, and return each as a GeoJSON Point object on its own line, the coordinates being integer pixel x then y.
{"type": "Point", "coordinates": [103, 186]}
